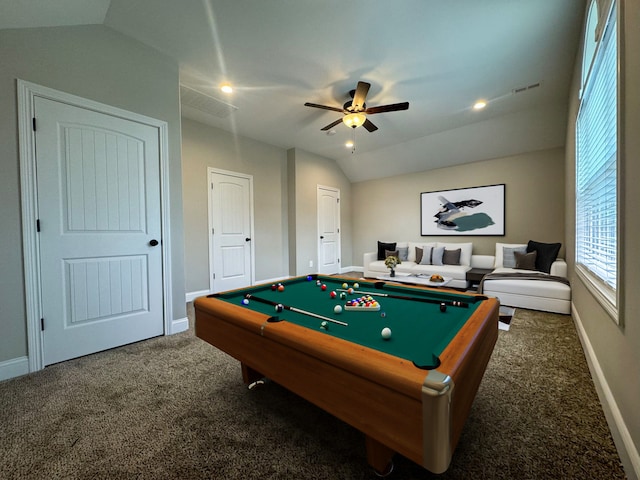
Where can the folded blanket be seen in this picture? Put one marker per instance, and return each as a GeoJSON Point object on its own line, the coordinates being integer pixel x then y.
{"type": "Point", "coordinates": [522, 276]}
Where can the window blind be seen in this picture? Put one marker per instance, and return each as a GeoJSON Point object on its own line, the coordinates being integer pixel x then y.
{"type": "Point", "coordinates": [596, 165]}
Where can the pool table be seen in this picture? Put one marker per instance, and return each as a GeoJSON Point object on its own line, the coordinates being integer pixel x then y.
{"type": "Point", "coordinates": [409, 394]}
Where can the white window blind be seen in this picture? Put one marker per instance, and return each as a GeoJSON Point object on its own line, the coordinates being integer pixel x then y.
{"type": "Point", "coordinates": [596, 166]}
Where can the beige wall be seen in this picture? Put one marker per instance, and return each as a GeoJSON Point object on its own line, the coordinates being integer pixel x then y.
{"type": "Point", "coordinates": [309, 171]}
{"type": "Point", "coordinates": [389, 209]}
{"type": "Point", "coordinates": [616, 348]}
{"type": "Point", "coordinates": [96, 63]}
{"type": "Point", "coordinates": [203, 147]}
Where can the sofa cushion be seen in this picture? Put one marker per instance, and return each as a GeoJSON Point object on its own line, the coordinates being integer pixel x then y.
{"type": "Point", "coordinates": [499, 263]}
{"type": "Point", "coordinates": [382, 247]}
{"type": "Point", "coordinates": [389, 253]}
{"type": "Point", "coordinates": [403, 253]}
{"type": "Point", "coordinates": [530, 288]}
{"type": "Point", "coordinates": [508, 255]}
{"type": "Point", "coordinates": [525, 261]}
{"type": "Point", "coordinates": [546, 254]}
{"type": "Point", "coordinates": [423, 255]}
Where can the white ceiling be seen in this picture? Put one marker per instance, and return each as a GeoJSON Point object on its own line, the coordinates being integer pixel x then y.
{"type": "Point", "coordinates": [439, 56]}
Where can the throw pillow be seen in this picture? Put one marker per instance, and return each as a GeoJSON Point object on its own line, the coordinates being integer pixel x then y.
{"type": "Point", "coordinates": [426, 256]}
{"type": "Point", "coordinates": [403, 253]}
{"type": "Point", "coordinates": [546, 254]}
{"type": "Point", "coordinates": [436, 256]}
{"type": "Point", "coordinates": [385, 246]}
{"type": "Point", "coordinates": [388, 253]}
{"type": "Point", "coordinates": [525, 261]}
{"type": "Point", "coordinates": [508, 258]}
{"type": "Point", "coordinates": [451, 257]}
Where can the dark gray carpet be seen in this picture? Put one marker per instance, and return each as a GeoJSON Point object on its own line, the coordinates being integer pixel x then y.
{"type": "Point", "coordinates": [175, 408]}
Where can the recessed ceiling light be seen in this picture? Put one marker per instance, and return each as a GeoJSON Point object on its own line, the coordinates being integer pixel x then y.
{"type": "Point", "coordinates": [226, 88]}
{"type": "Point", "coordinates": [349, 144]}
{"type": "Point", "coordinates": [479, 105]}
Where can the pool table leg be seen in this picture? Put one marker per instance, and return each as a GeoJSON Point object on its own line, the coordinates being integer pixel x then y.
{"type": "Point", "coordinates": [379, 456]}
{"type": "Point", "coordinates": [249, 375]}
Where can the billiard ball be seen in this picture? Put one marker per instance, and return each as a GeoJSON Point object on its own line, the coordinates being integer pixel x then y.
{"type": "Point", "coordinates": [323, 287]}
{"type": "Point", "coordinates": [343, 296]}
{"type": "Point", "coordinates": [333, 294]}
{"type": "Point", "coordinates": [323, 325]}
{"type": "Point", "coordinates": [443, 307]}
{"type": "Point", "coordinates": [344, 285]}
{"type": "Point", "coordinates": [383, 314]}
{"type": "Point", "coordinates": [279, 307]}
{"type": "Point", "coordinates": [356, 285]}
{"type": "Point", "coordinates": [309, 278]}
{"type": "Point", "coordinates": [281, 288]}
{"type": "Point", "coordinates": [273, 287]}
{"type": "Point", "coordinates": [318, 283]}
{"type": "Point", "coordinates": [386, 333]}
{"type": "Point", "coordinates": [350, 290]}
{"type": "Point", "coordinates": [245, 301]}
{"type": "Point", "coordinates": [337, 309]}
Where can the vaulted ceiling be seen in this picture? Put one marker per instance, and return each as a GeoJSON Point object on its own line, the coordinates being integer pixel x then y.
{"type": "Point", "coordinates": [441, 57]}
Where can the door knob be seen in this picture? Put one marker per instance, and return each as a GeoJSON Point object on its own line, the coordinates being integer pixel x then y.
{"type": "Point", "coordinates": [321, 237]}
{"type": "Point", "coordinates": [153, 242]}
{"type": "Point", "coordinates": [247, 239]}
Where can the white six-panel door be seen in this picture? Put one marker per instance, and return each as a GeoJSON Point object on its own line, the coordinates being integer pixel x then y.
{"type": "Point", "coordinates": [100, 230]}
{"type": "Point", "coordinates": [231, 220]}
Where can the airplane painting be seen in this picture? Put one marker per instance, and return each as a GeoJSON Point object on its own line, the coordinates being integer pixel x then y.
{"type": "Point", "coordinates": [467, 211]}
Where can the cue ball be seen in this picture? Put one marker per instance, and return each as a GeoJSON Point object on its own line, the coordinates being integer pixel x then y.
{"type": "Point", "coordinates": [337, 309]}
{"type": "Point", "coordinates": [279, 307]}
{"type": "Point", "coordinates": [443, 307]}
{"type": "Point", "coordinates": [386, 333]}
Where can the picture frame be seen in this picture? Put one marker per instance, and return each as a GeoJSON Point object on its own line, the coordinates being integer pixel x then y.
{"type": "Point", "coordinates": [463, 211]}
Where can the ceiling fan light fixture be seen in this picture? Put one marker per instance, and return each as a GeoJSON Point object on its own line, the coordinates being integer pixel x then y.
{"type": "Point", "coordinates": [354, 120]}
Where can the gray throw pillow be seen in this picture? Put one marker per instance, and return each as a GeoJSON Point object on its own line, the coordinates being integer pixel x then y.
{"type": "Point", "coordinates": [426, 256]}
{"type": "Point", "coordinates": [436, 255]}
{"type": "Point", "coordinates": [403, 253]}
{"type": "Point", "coordinates": [526, 261]}
{"type": "Point", "coordinates": [508, 257]}
{"type": "Point", "coordinates": [451, 257]}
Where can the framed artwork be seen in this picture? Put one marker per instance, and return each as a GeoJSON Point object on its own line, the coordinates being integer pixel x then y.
{"type": "Point", "coordinates": [464, 211]}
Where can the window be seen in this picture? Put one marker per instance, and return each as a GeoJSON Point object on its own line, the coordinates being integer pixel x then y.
{"type": "Point", "coordinates": [597, 161]}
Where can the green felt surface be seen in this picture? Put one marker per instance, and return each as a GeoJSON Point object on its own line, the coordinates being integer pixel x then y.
{"type": "Point", "coordinates": [420, 331]}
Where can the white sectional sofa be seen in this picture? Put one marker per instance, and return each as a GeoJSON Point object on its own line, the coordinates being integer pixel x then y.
{"type": "Point", "coordinates": [516, 287]}
{"type": "Point", "coordinates": [374, 268]}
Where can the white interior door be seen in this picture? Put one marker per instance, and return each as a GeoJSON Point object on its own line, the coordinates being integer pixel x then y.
{"type": "Point", "coordinates": [100, 225]}
{"type": "Point", "coordinates": [231, 219]}
{"type": "Point", "coordinates": [328, 230]}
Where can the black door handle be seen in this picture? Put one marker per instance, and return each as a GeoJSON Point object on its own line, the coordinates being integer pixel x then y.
{"type": "Point", "coordinates": [247, 239]}
{"type": "Point", "coordinates": [321, 237]}
{"type": "Point", "coordinates": [153, 242]}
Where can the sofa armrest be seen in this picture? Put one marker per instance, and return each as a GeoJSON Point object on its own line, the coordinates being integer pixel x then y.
{"type": "Point", "coordinates": [369, 257]}
{"type": "Point", "coordinates": [483, 261]}
{"type": "Point", "coordinates": [559, 268]}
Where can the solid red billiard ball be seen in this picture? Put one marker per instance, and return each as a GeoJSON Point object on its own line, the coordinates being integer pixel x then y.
{"type": "Point", "coordinates": [323, 287]}
{"type": "Point", "coordinates": [281, 288]}
{"type": "Point", "coordinates": [273, 287]}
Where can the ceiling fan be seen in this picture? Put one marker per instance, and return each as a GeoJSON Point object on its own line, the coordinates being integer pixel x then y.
{"type": "Point", "coordinates": [355, 111]}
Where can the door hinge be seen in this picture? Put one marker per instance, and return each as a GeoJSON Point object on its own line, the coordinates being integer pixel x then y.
{"type": "Point", "coordinates": [214, 276]}
{"type": "Point", "coordinates": [42, 324]}
{"type": "Point", "coordinates": [37, 225]}
{"type": "Point", "coordinates": [337, 200]}
{"type": "Point", "coordinates": [33, 123]}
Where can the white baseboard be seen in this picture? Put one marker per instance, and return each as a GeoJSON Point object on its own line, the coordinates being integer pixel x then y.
{"type": "Point", "coordinates": [351, 269]}
{"type": "Point", "coordinates": [627, 450]}
{"type": "Point", "coordinates": [14, 368]}
{"type": "Point", "coordinates": [179, 325]}
{"type": "Point", "coordinates": [191, 296]}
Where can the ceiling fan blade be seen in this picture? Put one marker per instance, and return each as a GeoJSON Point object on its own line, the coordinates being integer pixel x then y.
{"type": "Point", "coordinates": [324, 107]}
{"type": "Point", "coordinates": [369, 126]}
{"type": "Point", "coordinates": [331, 125]}
{"type": "Point", "coordinates": [387, 108]}
{"type": "Point", "coordinates": [360, 96]}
